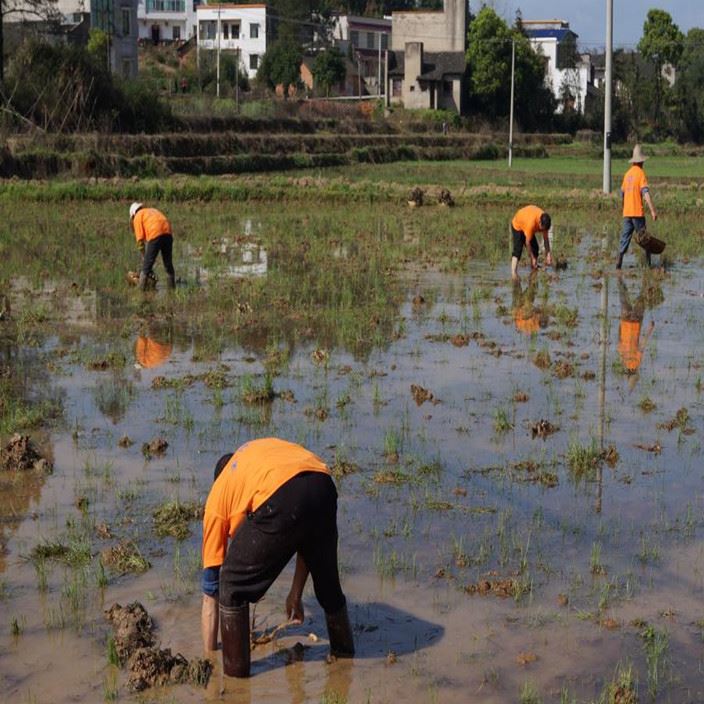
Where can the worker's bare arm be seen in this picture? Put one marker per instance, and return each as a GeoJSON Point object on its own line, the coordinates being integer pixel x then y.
{"type": "Point", "coordinates": [294, 600]}
{"type": "Point", "coordinates": [649, 203]}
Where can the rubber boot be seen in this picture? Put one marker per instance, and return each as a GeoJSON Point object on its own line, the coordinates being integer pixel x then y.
{"type": "Point", "coordinates": [142, 281]}
{"type": "Point", "coordinates": [170, 281]}
{"type": "Point", "coordinates": [234, 630]}
{"type": "Point", "coordinates": [340, 633]}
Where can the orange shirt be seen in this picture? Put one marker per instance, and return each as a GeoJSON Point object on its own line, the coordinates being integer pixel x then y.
{"type": "Point", "coordinates": [628, 347]}
{"type": "Point", "coordinates": [633, 186]}
{"type": "Point", "coordinates": [149, 223]}
{"type": "Point", "coordinates": [252, 475]}
{"type": "Point", "coordinates": [527, 220]}
{"type": "Point", "coordinates": [527, 324]}
{"type": "Point", "coordinates": [150, 353]}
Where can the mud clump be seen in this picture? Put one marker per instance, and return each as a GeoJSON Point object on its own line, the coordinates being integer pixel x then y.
{"type": "Point", "coordinates": [445, 198]}
{"type": "Point", "coordinates": [421, 395]}
{"type": "Point", "coordinates": [20, 455]}
{"type": "Point", "coordinates": [125, 441]}
{"type": "Point", "coordinates": [415, 197]}
{"type": "Point", "coordinates": [502, 588]}
{"type": "Point", "coordinates": [148, 665]}
{"type": "Point", "coordinates": [543, 429]}
{"type": "Point", "coordinates": [154, 448]}
{"type": "Point", "coordinates": [133, 628]}
{"type": "Point", "coordinates": [679, 421]}
{"type": "Point", "coordinates": [156, 667]}
{"type": "Point", "coordinates": [460, 340]}
{"type": "Point", "coordinates": [563, 369]}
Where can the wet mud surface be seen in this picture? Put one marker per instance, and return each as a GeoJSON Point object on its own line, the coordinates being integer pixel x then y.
{"type": "Point", "coordinates": [520, 498]}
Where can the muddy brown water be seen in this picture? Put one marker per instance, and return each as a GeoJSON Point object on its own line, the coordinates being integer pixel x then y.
{"type": "Point", "coordinates": [622, 544]}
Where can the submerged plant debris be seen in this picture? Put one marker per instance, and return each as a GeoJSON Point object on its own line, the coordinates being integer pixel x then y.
{"type": "Point", "coordinates": [174, 518]}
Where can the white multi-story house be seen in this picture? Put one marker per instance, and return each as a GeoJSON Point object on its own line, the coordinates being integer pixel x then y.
{"type": "Point", "coordinates": [365, 41]}
{"type": "Point", "coordinates": [567, 73]}
{"type": "Point", "coordinates": [239, 29]}
{"type": "Point", "coordinates": [167, 20]}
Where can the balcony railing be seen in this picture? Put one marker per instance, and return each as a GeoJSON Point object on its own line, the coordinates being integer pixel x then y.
{"type": "Point", "coordinates": [166, 5]}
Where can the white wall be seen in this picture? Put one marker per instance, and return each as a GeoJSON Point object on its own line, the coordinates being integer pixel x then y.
{"type": "Point", "coordinates": [210, 18]}
{"type": "Point", "coordinates": [163, 14]}
{"type": "Point", "coordinates": [577, 78]}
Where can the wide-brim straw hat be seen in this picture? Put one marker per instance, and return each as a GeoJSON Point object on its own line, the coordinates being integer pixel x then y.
{"type": "Point", "coordinates": [638, 156]}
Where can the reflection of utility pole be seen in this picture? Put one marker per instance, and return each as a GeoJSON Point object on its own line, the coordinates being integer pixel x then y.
{"type": "Point", "coordinates": [218, 61]}
{"type": "Point", "coordinates": [510, 119]}
{"type": "Point", "coordinates": [603, 338]}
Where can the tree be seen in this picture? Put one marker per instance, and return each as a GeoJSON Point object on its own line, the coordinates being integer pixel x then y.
{"type": "Point", "coordinates": [689, 89]}
{"type": "Point", "coordinates": [42, 10]}
{"type": "Point", "coordinates": [489, 59]}
{"type": "Point", "coordinates": [660, 44]}
{"type": "Point", "coordinates": [281, 65]}
{"type": "Point", "coordinates": [329, 69]}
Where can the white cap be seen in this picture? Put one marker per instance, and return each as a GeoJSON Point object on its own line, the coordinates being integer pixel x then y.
{"type": "Point", "coordinates": [134, 208]}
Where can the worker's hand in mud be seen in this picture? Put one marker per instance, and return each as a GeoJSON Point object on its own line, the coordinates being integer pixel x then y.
{"type": "Point", "coordinates": [534, 264]}
{"type": "Point", "coordinates": [548, 259]}
{"type": "Point", "coordinates": [294, 608]}
{"type": "Point", "coordinates": [655, 216]}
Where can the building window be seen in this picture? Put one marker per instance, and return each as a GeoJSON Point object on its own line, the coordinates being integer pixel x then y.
{"type": "Point", "coordinates": [370, 40]}
{"type": "Point", "coordinates": [235, 30]}
{"type": "Point", "coordinates": [253, 62]}
{"type": "Point", "coordinates": [207, 30]}
{"type": "Point", "coordinates": [125, 21]}
{"type": "Point", "coordinates": [254, 31]}
{"type": "Point", "coordinates": [225, 34]}
{"type": "Point", "coordinates": [176, 33]}
{"type": "Point", "coordinates": [354, 38]}
{"type": "Point", "coordinates": [396, 87]}
{"type": "Point", "coordinates": [384, 42]}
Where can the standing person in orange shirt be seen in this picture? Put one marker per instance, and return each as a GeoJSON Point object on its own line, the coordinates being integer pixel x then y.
{"type": "Point", "coordinates": [526, 223]}
{"type": "Point", "coordinates": [634, 190]}
{"type": "Point", "coordinates": [271, 499]}
{"type": "Point", "coordinates": [153, 233]}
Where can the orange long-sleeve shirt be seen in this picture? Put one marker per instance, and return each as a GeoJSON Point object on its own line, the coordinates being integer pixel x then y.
{"type": "Point", "coordinates": [527, 221]}
{"type": "Point", "coordinates": [150, 223]}
{"type": "Point", "coordinates": [253, 474]}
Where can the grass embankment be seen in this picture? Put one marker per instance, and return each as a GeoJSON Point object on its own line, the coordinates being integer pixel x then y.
{"type": "Point", "coordinates": [45, 156]}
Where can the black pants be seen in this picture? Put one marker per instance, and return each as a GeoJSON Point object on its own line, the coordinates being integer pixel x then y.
{"type": "Point", "coordinates": [300, 517]}
{"type": "Point", "coordinates": [519, 240]}
{"type": "Point", "coordinates": [163, 244]}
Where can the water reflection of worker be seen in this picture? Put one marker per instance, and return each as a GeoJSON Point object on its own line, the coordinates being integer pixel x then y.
{"type": "Point", "coordinates": [525, 226]}
{"type": "Point", "coordinates": [526, 316]}
{"type": "Point", "coordinates": [630, 347]}
{"type": "Point", "coordinates": [150, 353]}
{"type": "Point", "coordinates": [272, 499]}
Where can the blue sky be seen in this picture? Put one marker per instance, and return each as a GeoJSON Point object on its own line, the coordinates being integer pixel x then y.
{"type": "Point", "coordinates": [588, 17]}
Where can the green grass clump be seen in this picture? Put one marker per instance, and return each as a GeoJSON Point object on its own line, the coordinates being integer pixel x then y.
{"type": "Point", "coordinates": [173, 518]}
{"type": "Point", "coordinates": [583, 459]}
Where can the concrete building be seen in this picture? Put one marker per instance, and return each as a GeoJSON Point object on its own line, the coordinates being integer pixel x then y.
{"type": "Point", "coordinates": [364, 40]}
{"type": "Point", "coordinates": [427, 65]}
{"type": "Point", "coordinates": [118, 18]}
{"type": "Point", "coordinates": [568, 74]}
{"type": "Point", "coordinates": [239, 29]}
{"type": "Point", "coordinates": [166, 21]}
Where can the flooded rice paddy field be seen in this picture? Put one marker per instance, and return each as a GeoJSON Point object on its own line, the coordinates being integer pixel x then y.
{"type": "Point", "coordinates": [519, 466]}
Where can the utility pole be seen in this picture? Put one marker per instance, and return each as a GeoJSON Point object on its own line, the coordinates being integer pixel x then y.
{"type": "Point", "coordinates": [608, 79]}
{"type": "Point", "coordinates": [510, 119]}
{"type": "Point", "coordinates": [378, 67]}
{"type": "Point", "coordinates": [218, 61]}
{"type": "Point", "coordinates": [237, 81]}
